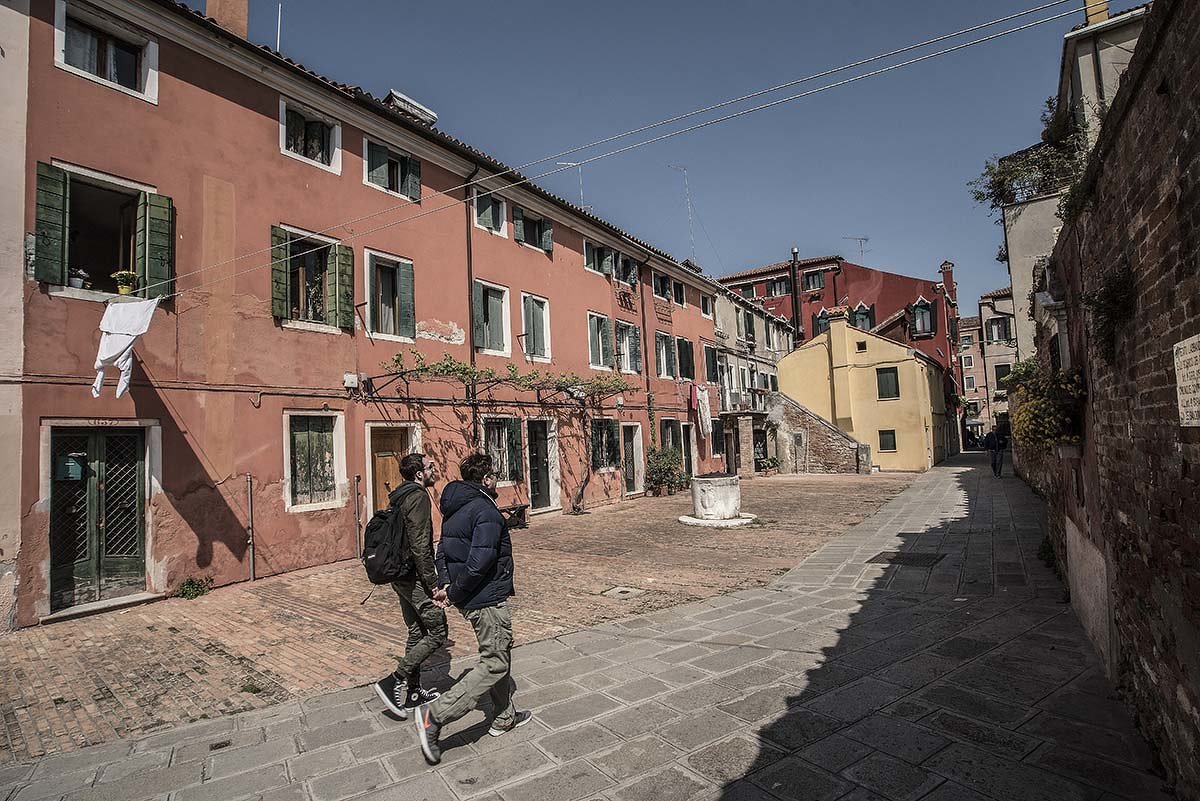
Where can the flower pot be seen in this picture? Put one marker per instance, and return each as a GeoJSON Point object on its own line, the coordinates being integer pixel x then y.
{"type": "Point", "coordinates": [124, 290]}
{"type": "Point", "coordinates": [670, 490]}
{"type": "Point", "coordinates": [75, 283]}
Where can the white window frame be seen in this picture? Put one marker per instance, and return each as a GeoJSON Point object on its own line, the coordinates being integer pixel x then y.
{"type": "Point", "coordinates": [968, 361]}
{"type": "Point", "coordinates": [366, 167]}
{"type": "Point", "coordinates": [712, 304]}
{"type": "Point", "coordinates": [969, 382]}
{"type": "Point", "coordinates": [653, 284]}
{"type": "Point", "coordinates": [602, 366]}
{"type": "Point", "coordinates": [310, 325]}
{"type": "Point", "coordinates": [803, 280]}
{"type": "Point", "coordinates": [502, 231]}
{"type": "Point", "coordinates": [922, 305]}
{"type": "Point", "coordinates": [617, 269]}
{"type": "Point", "coordinates": [115, 27]}
{"type": "Point", "coordinates": [616, 260]}
{"type": "Point", "coordinates": [335, 135]}
{"type": "Point", "coordinates": [660, 364]}
{"type": "Point", "coordinates": [683, 285]}
{"type": "Point", "coordinates": [507, 350]}
{"type": "Point", "coordinates": [369, 254]}
{"type": "Point", "coordinates": [546, 321]}
{"type": "Point", "coordinates": [340, 482]}
{"type": "Point", "coordinates": [540, 219]}
{"type": "Point", "coordinates": [483, 419]}
{"type": "Point", "coordinates": [620, 445]}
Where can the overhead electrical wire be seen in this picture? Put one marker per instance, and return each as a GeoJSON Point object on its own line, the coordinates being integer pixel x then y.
{"type": "Point", "coordinates": [661, 137]}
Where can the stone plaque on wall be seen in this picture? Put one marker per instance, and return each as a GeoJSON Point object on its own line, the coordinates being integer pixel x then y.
{"type": "Point", "coordinates": [1187, 380]}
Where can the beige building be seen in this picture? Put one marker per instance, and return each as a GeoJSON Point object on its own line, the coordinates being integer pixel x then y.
{"type": "Point", "coordinates": [976, 420]}
{"type": "Point", "coordinates": [749, 342]}
{"type": "Point", "coordinates": [880, 392]}
{"type": "Point", "coordinates": [1095, 56]}
{"type": "Point", "coordinates": [999, 352]}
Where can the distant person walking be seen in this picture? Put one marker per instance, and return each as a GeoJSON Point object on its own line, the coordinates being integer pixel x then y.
{"type": "Point", "coordinates": [993, 443]}
{"type": "Point", "coordinates": [425, 618]}
{"type": "Point", "coordinates": [475, 569]}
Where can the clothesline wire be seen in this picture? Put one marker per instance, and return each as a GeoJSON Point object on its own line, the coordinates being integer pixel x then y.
{"type": "Point", "coordinates": [617, 151]}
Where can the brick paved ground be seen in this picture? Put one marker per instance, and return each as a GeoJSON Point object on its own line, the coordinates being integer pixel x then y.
{"type": "Point", "coordinates": [965, 681]}
{"type": "Point", "coordinates": [93, 680]}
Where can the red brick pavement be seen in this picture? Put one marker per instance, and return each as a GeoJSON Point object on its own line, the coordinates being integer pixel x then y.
{"type": "Point", "coordinates": [113, 675]}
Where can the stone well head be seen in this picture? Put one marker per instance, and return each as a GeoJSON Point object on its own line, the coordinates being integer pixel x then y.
{"type": "Point", "coordinates": [716, 497]}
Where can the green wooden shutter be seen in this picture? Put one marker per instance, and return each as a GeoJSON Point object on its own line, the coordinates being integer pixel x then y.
{"type": "Point", "coordinates": [345, 287]}
{"type": "Point", "coordinates": [516, 466]}
{"type": "Point", "coordinates": [280, 274]}
{"type": "Point", "coordinates": [155, 251]}
{"type": "Point", "coordinates": [331, 293]}
{"type": "Point", "coordinates": [495, 315]}
{"type": "Point", "coordinates": [613, 443]}
{"type": "Point", "coordinates": [477, 328]}
{"type": "Point", "coordinates": [597, 444]}
{"type": "Point", "coordinates": [412, 178]}
{"type": "Point", "coordinates": [51, 225]}
{"type": "Point", "coordinates": [539, 326]}
{"type": "Point", "coordinates": [593, 340]}
{"type": "Point", "coordinates": [636, 349]}
{"type": "Point", "coordinates": [527, 312]}
{"type": "Point", "coordinates": [547, 235]}
{"type": "Point", "coordinates": [606, 334]}
{"type": "Point", "coordinates": [606, 263]}
{"type": "Point", "coordinates": [672, 363]}
{"type": "Point", "coordinates": [406, 300]}
{"type": "Point", "coordinates": [377, 164]}
{"type": "Point", "coordinates": [518, 224]}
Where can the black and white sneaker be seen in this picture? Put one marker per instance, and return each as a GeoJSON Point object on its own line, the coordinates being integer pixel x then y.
{"type": "Point", "coordinates": [418, 696]}
{"type": "Point", "coordinates": [391, 692]}
{"type": "Point", "coordinates": [522, 719]}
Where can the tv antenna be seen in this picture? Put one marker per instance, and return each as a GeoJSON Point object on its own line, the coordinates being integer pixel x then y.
{"type": "Point", "coordinates": [862, 244]}
{"type": "Point", "coordinates": [579, 166]}
{"type": "Point", "coordinates": [687, 191]}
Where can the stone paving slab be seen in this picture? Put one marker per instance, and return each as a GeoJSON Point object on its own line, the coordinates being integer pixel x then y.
{"type": "Point", "coordinates": [900, 686]}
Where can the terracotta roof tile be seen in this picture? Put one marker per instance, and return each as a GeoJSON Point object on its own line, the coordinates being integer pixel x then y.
{"type": "Point", "coordinates": [1002, 292]}
{"type": "Point", "coordinates": [779, 265]}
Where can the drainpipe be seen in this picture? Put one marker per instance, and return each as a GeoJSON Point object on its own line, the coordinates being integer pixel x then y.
{"type": "Point", "coordinates": [250, 522]}
{"type": "Point", "coordinates": [471, 398]}
{"type": "Point", "coordinates": [795, 297]}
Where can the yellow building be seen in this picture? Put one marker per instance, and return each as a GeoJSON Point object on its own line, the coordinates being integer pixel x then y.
{"type": "Point", "coordinates": [878, 391]}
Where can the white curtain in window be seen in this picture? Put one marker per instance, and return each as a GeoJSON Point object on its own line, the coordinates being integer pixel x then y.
{"type": "Point", "coordinates": [82, 49]}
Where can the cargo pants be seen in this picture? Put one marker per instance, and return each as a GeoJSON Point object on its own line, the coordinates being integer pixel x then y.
{"type": "Point", "coordinates": [491, 677]}
{"type": "Point", "coordinates": [427, 630]}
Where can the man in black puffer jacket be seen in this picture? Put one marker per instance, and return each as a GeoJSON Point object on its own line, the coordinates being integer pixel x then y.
{"type": "Point", "coordinates": [475, 570]}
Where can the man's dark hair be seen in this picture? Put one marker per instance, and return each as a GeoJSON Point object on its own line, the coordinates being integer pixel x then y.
{"type": "Point", "coordinates": [476, 467]}
{"type": "Point", "coordinates": [412, 464]}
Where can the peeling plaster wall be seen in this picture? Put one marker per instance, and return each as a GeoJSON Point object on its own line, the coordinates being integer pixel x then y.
{"type": "Point", "coordinates": [218, 372]}
{"type": "Point", "coordinates": [14, 86]}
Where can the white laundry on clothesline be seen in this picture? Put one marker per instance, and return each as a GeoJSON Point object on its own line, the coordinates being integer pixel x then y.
{"type": "Point", "coordinates": [120, 328]}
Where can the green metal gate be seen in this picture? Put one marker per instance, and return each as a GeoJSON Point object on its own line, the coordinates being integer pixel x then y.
{"type": "Point", "coordinates": [97, 515]}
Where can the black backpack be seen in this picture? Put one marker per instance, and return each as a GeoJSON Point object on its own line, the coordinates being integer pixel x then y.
{"type": "Point", "coordinates": [386, 554]}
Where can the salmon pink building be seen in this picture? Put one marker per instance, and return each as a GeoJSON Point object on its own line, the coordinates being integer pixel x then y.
{"type": "Point", "coordinates": [311, 246]}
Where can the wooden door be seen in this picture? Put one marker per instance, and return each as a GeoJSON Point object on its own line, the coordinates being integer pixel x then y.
{"type": "Point", "coordinates": [539, 464]}
{"type": "Point", "coordinates": [388, 447]}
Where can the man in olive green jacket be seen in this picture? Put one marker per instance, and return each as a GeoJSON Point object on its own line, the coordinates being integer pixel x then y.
{"type": "Point", "coordinates": [425, 618]}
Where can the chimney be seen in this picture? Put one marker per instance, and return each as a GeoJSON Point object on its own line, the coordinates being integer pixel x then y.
{"type": "Point", "coordinates": [1095, 11]}
{"type": "Point", "coordinates": [232, 15]}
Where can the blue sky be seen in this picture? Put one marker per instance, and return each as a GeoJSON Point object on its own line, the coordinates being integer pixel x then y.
{"type": "Point", "coordinates": [887, 157]}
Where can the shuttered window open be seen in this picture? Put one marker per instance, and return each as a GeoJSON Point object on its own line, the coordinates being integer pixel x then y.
{"type": "Point", "coordinates": [155, 249]}
{"type": "Point", "coordinates": [398, 173]}
{"type": "Point", "coordinates": [50, 231]}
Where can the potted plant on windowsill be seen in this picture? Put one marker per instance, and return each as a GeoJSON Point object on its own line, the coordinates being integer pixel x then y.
{"type": "Point", "coordinates": [77, 278]}
{"type": "Point", "coordinates": [126, 281]}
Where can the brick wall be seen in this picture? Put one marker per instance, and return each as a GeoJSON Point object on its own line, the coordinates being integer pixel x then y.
{"type": "Point", "coordinates": [1133, 488]}
{"type": "Point", "coordinates": [827, 449]}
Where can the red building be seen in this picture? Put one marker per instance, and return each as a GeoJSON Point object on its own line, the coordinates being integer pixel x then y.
{"type": "Point", "coordinates": [917, 311]}
{"type": "Point", "coordinates": [300, 234]}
